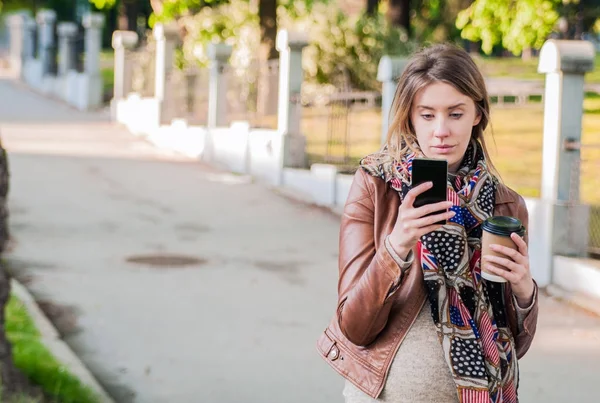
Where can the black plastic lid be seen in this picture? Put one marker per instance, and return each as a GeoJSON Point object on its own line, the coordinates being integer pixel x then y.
{"type": "Point", "coordinates": [503, 225]}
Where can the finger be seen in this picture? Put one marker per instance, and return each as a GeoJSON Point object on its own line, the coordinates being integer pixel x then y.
{"type": "Point", "coordinates": [505, 274]}
{"type": "Point", "coordinates": [507, 264]}
{"type": "Point", "coordinates": [432, 208]}
{"type": "Point", "coordinates": [414, 192]}
{"type": "Point", "coordinates": [512, 253]}
{"type": "Point", "coordinates": [431, 220]}
{"type": "Point", "coordinates": [521, 244]}
{"type": "Point", "coordinates": [428, 229]}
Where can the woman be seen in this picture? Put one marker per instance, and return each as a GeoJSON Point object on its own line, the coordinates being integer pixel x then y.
{"type": "Point", "coordinates": [415, 322]}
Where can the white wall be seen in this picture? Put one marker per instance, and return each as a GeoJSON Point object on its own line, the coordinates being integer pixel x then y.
{"type": "Point", "coordinates": [77, 89]}
{"type": "Point", "coordinates": [577, 275]}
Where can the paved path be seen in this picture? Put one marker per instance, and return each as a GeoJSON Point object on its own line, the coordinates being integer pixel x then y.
{"type": "Point", "coordinates": [240, 327]}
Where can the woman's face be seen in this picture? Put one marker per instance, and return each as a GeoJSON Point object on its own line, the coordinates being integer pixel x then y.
{"type": "Point", "coordinates": [443, 119]}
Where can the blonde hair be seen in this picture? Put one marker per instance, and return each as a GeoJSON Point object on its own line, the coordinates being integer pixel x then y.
{"type": "Point", "coordinates": [438, 63]}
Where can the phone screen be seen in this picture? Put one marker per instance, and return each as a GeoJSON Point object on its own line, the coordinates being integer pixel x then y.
{"type": "Point", "coordinates": [430, 170]}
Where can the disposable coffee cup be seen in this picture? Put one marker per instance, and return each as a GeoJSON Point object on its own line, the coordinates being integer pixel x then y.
{"type": "Point", "coordinates": [497, 230]}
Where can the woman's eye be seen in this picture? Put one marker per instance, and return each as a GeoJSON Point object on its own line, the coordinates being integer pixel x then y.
{"type": "Point", "coordinates": [456, 115]}
{"type": "Point", "coordinates": [427, 116]}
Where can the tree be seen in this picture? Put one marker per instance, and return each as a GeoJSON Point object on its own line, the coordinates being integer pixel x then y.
{"type": "Point", "coordinates": [372, 6]}
{"type": "Point", "coordinates": [398, 14]}
{"type": "Point", "coordinates": [517, 25]}
{"type": "Point", "coordinates": [578, 17]}
{"type": "Point", "coordinates": [435, 20]}
{"type": "Point", "coordinates": [267, 13]}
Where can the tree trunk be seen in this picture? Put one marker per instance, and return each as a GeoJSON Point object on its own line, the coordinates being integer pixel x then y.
{"type": "Point", "coordinates": [398, 14]}
{"type": "Point", "coordinates": [267, 13]}
{"type": "Point", "coordinates": [11, 379]}
{"type": "Point", "coordinates": [122, 24]}
{"type": "Point", "coordinates": [372, 6]}
{"type": "Point", "coordinates": [132, 11]}
{"type": "Point", "coordinates": [526, 54]}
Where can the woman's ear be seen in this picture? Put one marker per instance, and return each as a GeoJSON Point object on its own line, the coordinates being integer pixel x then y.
{"type": "Point", "coordinates": [477, 117]}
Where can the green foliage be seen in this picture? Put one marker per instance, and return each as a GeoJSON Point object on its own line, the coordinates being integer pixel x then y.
{"type": "Point", "coordinates": [37, 363]}
{"type": "Point", "coordinates": [341, 43]}
{"type": "Point", "coordinates": [435, 20]}
{"type": "Point", "coordinates": [336, 42]}
{"type": "Point", "coordinates": [234, 23]}
{"type": "Point", "coordinates": [103, 4]}
{"type": "Point", "coordinates": [515, 24]}
{"type": "Point", "coordinates": [175, 9]}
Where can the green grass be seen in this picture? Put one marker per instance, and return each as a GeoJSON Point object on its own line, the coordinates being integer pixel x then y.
{"type": "Point", "coordinates": [514, 67]}
{"type": "Point", "coordinates": [108, 79]}
{"type": "Point", "coordinates": [37, 363]}
{"type": "Point", "coordinates": [515, 147]}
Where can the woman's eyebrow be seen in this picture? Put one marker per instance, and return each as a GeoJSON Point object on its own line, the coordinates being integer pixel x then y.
{"type": "Point", "coordinates": [449, 108]}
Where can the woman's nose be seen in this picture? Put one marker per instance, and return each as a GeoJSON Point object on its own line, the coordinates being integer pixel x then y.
{"type": "Point", "coordinates": [441, 128]}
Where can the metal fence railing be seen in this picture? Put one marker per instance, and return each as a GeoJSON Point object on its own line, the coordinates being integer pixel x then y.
{"type": "Point", "coordinates": [143, 69]}
{"type": "Point", "coordinates": [341, 124]}
{"type": "Point", "coordinates": [252, 93]}
{"type": "Point", "coordinates": [584, 172]}
{"type": "Point", "coordinates": [186, 95]}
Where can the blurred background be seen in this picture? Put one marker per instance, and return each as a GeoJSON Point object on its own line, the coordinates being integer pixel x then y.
{"type": "Point", "coordinates": [174, 170]}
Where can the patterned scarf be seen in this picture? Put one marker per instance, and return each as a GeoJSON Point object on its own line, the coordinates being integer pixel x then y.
{"type": "Point", "coordinates": [468, 313]}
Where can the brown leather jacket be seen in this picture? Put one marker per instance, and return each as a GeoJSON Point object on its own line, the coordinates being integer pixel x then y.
{"type": "Point", "coordinates": [370, 322]}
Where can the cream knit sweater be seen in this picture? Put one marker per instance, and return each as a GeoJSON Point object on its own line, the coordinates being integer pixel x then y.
{"type": "Point", "coordinates": [419, 372]}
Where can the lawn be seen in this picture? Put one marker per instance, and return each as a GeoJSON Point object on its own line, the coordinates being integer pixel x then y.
{"type": "Point", "coordinates": [514, 67]}
{"type": "Point", "coordinates": [37, 363]}
{"type": "Point", "coordinates": [516, 141]}
{"type": "Point", "coordinates": [515, 136]}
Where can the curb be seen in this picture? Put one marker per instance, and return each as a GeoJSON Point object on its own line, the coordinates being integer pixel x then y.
{"type": "Point", "coordinates": [579, 300]}
{"type": "Point", "coordinates": [51, 339]}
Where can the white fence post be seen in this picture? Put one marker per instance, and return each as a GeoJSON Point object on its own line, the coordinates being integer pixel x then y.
{"type": "Point", "coordinates": [165, 36]}
{"type": "Point", "coordinates": [122, 41]}
{"type": "Point", "coordinates": [16, 26]}
{"type": "Point", "coordinates": [29, 41]}
{"type": "Point", "coordinates": [565, 64]}
{"type": "Point", "coordinates": [93, 24]}
{"type": "Point", "coordinates": [388, 72]}
{"type": "Point", "coordinates": [46, 20]}
{"type": "Point", "coordinates": [66, 46]}
{"type": "Point", "coordinates": [217, 85]}
{"type": "Point", "coordinates": [290, 45]}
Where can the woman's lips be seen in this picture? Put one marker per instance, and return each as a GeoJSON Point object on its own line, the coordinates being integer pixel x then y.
{"type": "Point", "coordinates": [443, 149]}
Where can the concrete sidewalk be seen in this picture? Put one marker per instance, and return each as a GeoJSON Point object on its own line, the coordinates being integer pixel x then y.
{"type": "Point", "coordinates": [239, 324]}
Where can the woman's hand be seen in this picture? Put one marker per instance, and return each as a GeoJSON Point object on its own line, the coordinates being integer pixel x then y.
{"type": "Point", "coordinates": [412, 223]}
{"type": "Point", "coordinates": [515, 271]}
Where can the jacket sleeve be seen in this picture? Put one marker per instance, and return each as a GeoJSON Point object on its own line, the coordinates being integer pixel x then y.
{"type": "Point", "coordinates": [523, 334]}
{"type": "Point", "coordinates": [369, 276]}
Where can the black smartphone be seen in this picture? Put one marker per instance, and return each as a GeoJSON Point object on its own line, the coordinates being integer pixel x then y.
{"type": "Point", "coordinates": [430, 170]}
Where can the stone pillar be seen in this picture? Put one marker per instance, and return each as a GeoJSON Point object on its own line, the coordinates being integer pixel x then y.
{"type": "Point", "coordinates": [17, 25]}
{"type": "Point", "coordinates": [290, 45]}
{"type": "Point", "coordinates": [388, 72]}
{"type": "Point", "coordinates": [67, 33]}
{"type": "Point", "coordinates": [217, 85]}
{"type": "Point", "coordinates": [565, 64]}
{"type": "Point", "coordinates": [166, 39]}
{"type": "Point", "coordinates": [93, 24]}
{"type": "Point", "coordinates": [29, 41]}
{"type": "Point", "coordinates": [122, 41]}
{"type": "Point", "coordinates": [46, 45]}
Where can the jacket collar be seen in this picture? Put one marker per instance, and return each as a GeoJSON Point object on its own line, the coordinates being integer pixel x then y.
{"type": "Point", "coordinates": [504, 194]}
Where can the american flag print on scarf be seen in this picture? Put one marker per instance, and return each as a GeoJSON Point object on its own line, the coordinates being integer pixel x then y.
{"type": "Point", "coordinates": [477, 346]}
